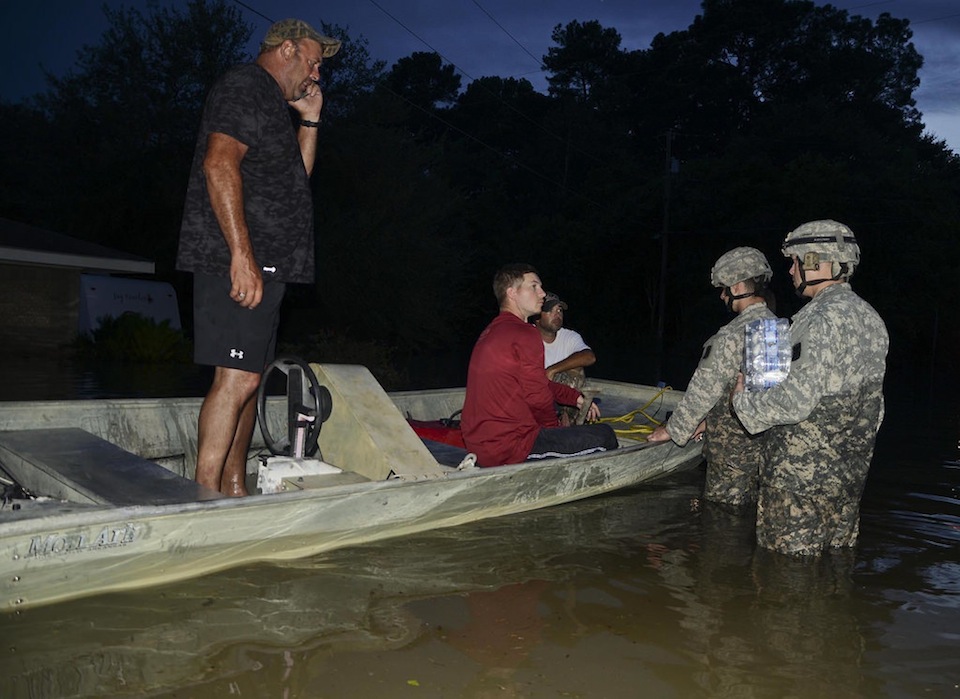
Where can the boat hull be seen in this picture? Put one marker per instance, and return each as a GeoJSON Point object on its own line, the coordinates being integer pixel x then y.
{"type": "Point", "coordinates": [73, 551]}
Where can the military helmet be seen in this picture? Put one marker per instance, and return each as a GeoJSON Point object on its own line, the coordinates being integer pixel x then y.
{"type": "Point", "coordinates": [738, 265]}
{"type": "Point", "coordinates": [826, 240]}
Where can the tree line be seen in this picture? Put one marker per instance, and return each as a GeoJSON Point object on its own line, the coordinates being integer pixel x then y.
{"type": "Point", "coordinates": [759, 116]}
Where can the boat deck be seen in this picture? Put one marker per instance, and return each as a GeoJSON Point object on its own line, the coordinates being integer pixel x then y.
{"type": "Point", "coordinates": [72, 464]}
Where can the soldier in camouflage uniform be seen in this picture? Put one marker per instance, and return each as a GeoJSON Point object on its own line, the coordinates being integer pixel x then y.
{"type": "Point", "coordinates": [822, 420]}
{"type": "Point", "coordinates": [733, 456]}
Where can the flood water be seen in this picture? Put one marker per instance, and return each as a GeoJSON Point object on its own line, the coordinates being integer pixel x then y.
{"type": "Point", "coordinates": [645, 593]}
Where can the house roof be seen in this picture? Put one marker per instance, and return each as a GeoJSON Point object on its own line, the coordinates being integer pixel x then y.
{"type": "Point", "coordinates": [25, 244]}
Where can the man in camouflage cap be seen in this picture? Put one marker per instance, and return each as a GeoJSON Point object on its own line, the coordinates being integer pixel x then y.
{"type": "Point", "coordinates": [295, 30]}
{"type": "Point", "coordinates": [822, 420]}
{"type": "Point", "coordinates": [247, 230]}
{"type": "Point", "coordinates": [565, 354]}
{"type": "Point", "coordinates": [733, 456]}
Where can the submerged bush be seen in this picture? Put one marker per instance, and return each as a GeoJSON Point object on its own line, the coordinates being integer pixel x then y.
{"type": "Point", "coordinates": [137, 339]}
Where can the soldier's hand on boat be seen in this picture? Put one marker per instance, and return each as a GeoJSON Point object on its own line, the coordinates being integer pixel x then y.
{"type": "Point", "coordinates": [659, 435]}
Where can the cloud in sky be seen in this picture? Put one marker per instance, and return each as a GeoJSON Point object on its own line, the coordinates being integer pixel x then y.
{"type": "Point", "coordinates": [479, 36]}
{"type": "Point", "coordinates": [939, 94]}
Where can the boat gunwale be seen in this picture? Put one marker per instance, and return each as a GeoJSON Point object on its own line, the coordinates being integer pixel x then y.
{"type": "Point", "coordinates": [93, 515]}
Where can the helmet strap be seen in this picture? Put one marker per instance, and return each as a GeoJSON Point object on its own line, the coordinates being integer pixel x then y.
{"type": "Point", "coordinates": [841, 273]}
{"type": "Point", "coordinates": [731, 297]}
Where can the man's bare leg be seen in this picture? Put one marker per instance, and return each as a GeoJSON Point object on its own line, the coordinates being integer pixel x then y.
{"type": "Point", "coordinates": [219, 423]}
{"type": "Point", "coordinates": [233, 482]}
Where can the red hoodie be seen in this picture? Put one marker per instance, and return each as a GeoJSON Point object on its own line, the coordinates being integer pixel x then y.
{"type": "Point", "coordinates": [509, 398]}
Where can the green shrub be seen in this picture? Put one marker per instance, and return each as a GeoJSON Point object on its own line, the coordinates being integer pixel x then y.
{"type": "Point", "coordinates": [136, 339]}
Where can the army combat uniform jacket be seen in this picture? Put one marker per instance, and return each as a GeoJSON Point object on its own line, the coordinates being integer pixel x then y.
{"type": "Point", "coordinates": [822, 421]}
{"type": "Point", "coordinates": [732, 454]}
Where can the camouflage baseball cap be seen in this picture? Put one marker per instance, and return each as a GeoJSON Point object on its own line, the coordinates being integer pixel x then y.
{"type": "Point", "coordinates": [738, 265]}
{"type": "Point", "coordinates": [551, 300]}
{"type": "Point", "coordinates": [296, 29]}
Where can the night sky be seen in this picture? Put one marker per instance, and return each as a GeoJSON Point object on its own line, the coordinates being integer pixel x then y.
{"type": "Point", "coordinates": [505, 38]}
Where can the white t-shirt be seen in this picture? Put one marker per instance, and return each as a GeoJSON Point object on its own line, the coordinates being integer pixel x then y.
{"type": "Point", "coordinates": [566, 343]}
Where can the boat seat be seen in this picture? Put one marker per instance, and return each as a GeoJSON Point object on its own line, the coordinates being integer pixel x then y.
{"type": "Point", "coordinates": [72, 464]}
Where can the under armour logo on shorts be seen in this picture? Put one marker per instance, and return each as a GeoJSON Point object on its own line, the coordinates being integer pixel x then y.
{"type": "Point", "coordinates": [236, 354]}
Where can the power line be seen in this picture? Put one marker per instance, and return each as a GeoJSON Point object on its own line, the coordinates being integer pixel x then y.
{"type": "Point", "coordinates": [506, 104]}
{"type": "Point", "coordinates": [936, 19]}
{"type": "Point", "coordinates": [256, 12]}
{"type": "Point", "coordinates": [504, 30]}
{"type": "Point", "coordinates": [453, 127]}
{"type": "Point", "coordinates": [869, 4]}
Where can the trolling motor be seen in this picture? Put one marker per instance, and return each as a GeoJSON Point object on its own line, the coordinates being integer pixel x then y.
{"type": "Point", "coordinates": [309, 405]}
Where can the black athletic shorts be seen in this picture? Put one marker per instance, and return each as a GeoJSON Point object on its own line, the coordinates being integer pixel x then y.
{"type": "Point", "coordinates": [227, 334]}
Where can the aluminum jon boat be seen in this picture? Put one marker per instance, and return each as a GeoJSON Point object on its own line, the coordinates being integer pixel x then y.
{"type": "Point", "coordinates": [111, 503]}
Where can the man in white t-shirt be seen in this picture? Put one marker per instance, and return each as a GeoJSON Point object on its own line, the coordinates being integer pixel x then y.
{"type": "Point", "coordinates": [565, 354]}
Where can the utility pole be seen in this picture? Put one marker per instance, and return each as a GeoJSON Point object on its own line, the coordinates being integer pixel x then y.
{"type": "Point", "coordinates": [664, 246]}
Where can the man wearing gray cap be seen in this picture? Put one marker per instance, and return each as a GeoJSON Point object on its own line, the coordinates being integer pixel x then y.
{"type": "Point", "coordinates": [247, 230]}
{"type": "Point", "coordinates": [822, 419]}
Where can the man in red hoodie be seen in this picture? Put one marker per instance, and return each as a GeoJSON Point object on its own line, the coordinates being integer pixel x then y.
{"type": "Point", "coordinates": [508, 414]}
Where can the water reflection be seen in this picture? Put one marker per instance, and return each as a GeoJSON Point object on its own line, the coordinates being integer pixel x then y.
{"type": "Point", "coordinates": [236, 627]}
{"type": "Point", "coordinates": [65, 378]}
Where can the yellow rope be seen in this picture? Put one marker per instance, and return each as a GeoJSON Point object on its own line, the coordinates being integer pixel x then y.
{"type": "Point", "coordinates": [633, 431]}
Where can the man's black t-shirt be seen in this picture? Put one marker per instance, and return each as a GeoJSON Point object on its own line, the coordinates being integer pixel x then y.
{"type": "Point", "coordinates": [247, 104]}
